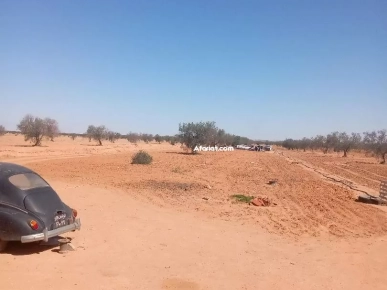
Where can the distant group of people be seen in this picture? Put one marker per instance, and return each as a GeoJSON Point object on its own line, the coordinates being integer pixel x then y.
{"type": "Point", "coordinates": [261, 148]}
{"type": "Point", "coordinates": [258, 148]}
{"type": "Point", "coordinates": [255, 147]}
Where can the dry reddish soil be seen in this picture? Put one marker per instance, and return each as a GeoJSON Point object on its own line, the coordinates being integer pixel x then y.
{"type": "Point", "coordinates": [173, 224]}
{"type": "Point", "coordinates": [357, 167]}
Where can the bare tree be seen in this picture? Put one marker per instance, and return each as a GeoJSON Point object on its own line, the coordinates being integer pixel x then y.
{"type": "Point", "coordinates": [377, 142]}
{"type": "Point", "coordinates": [2, 130]}
{"type": "Point", "coordinates": [97, 133]}
{"type": "Point", "coordinates": [35, 129]}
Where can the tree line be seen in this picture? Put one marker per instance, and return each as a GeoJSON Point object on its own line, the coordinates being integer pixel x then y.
{"type": "Point", "coordinates": [193, 134]}
{"type": "Point", "coordinates": [190, 135]}
{"type": "Point", "coordinates": [207, 134]}
{"type": "Point", "coordinates": [36, 129]}
{"type": "Point", "coordinates": [372, 141]}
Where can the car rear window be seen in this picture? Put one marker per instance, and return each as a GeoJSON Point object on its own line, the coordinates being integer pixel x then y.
{"type": "Point", "coordinates": [27, 181]}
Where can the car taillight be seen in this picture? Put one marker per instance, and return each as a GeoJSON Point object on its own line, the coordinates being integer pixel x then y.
{"type": "Point", "coordinates": [34, 225]}
{"type": "Point", "coordinates": [75, 213]}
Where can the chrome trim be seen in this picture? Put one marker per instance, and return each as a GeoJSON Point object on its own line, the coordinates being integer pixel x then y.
{"type": "Point", "coordinates": [46, 234]}
{"type": "Point", "coordinates": [13, 206]}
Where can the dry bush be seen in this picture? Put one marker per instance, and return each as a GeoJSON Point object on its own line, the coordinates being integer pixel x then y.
{"type": "Point", "coordinates": [142, 157]}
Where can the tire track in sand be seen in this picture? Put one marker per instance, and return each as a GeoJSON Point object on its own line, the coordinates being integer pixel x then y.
{"type": "Point", "coordinates": [335, 179]}
{"type": "Point", "coordinates": [30, 159]}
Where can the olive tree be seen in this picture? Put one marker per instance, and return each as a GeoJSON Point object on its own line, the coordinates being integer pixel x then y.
{"type": "Point", "coordinates": [305, 143]}
{"type": "Point", "coordinates": [173, 140]}
{"type": "Point", "coordinates": [376, 141]}
{"type": "Point", "coordinates": [133, 137]}
{"type": "Point", "coordinates": [228, 139]}
{"type": "Point", "coordinates": [166, 138]}
{"type": "Point", "coordinates": [52, 128]}
{"type": "Point", "coordinates": [290, 144]}
{"type": "Point", "coordinates": [146, 137]}
{"type": "Point", "coordinates": [158, 138]}
{"type": "Point", "coordinates": [197, 134]}
{"type": "Point", "coordinates": [331, 142]}
{"type": "Point", "coordinates": [2, 130]}
{"type": "Point", "coordinates": [97, 133]}
{"type": "Point", "coordinates": [212, 133]}
{"type": "Point", "coordinates": [347, 142]}
{"type": "Point", "coordinates": [35, 129]}
{"type": "Point", "coordinates": [112, 136]}
{"type": "Point", "coordinates": [236, 140]}
{"type": "Point", "coordinates": [318, 142]}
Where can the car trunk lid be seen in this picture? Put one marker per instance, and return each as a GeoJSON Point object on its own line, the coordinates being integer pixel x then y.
{"type": "Point", "coordinates": [46, 204]}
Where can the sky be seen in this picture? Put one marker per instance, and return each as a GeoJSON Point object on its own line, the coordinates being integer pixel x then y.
{"type": "Point", "coordinates": [266, 70]}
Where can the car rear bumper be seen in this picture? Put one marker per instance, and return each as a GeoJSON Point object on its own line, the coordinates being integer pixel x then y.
{"type": "Point", "coordinates": [45, 235]}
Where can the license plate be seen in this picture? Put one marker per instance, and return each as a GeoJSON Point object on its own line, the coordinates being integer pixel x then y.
{"type": "Point", "coordinates": [60, 220]}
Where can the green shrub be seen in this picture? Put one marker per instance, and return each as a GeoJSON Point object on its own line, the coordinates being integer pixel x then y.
{"type": "Point", "coordinates": [243, 198]}
{"type": "Point", "coordinates": [142, 157]}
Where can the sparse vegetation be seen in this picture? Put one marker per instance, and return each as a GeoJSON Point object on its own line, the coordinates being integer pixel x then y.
{"type": "Point", "coordinates": [375, 142]}
{"type": "Point", "coordinates": [35, 129]}
{"type": "Point", "coordinates": [112, 136]}
{"type": "Point", "coordinates": [172, 141]}
{"type": "Point", "coordinates": [146, 137]}
{"type": "Point", "coordinates": [177, 170]}
{"type": "Point", "coordinates": [242, 198]}
{"type": "Point", "coordinates": [142, 157]}
{"type": "Point", "coordinates": [166, 138]}
{"type": "Point", "coordinates": [135, 137]}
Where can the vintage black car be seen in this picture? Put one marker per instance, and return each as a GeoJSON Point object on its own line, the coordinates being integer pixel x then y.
{"type": "Point", "coordinates": [30, 209]}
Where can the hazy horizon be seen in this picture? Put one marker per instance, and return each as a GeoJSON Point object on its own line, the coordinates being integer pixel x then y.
{"type": "Point", "coordinates": [267, 71]}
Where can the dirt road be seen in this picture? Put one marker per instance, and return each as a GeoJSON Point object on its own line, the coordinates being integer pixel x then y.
{"type": "Point", "coordinates": [127, 244]}
{"type": "Point", "coordinates": [129, 241]}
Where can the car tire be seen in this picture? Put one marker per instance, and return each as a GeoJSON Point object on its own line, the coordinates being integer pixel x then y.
{"type": "Point", "coordinates": [3, 245]}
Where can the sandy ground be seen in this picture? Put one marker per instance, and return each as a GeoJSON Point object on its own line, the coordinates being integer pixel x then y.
{"type": "Point", "coordinates": [148, 227]}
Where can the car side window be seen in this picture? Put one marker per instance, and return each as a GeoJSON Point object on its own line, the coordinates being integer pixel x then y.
{"type": "Point", "coordinates": [27, 181]}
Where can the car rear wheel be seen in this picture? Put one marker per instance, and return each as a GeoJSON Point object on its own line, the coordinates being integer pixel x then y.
{"type": "Point", "coordinates": [3, 245]}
